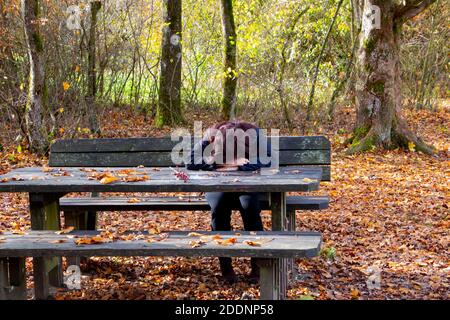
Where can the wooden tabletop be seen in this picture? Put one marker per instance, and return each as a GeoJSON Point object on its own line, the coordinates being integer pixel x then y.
{"type": "Point", "coordinates": [65, 180]}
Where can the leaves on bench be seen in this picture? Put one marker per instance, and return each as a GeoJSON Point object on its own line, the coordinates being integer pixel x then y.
{"type": "Point", "coordinates": [103, 237]}
{"type": "Point", "coordinates": [204, 239]}
{"type": "Point", "coordinates": [108, 180]}
{"type": "Point", "coordinates": [257, 243]}
{"type": "Point", "coordinates": [58, 241]}
{"type": "Point", "coordinates": [66, 230]}
{"type": "Point", "coordinates": [125, 175]}
{"type": "Point", "coordinates": [195, 234]}
{"type": "Point", "coordinates": [196, 243]}
{"type": "Point", "coordinates": [226, 242]}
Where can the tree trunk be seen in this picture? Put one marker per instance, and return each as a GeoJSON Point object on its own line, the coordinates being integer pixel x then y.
{"type": "Point", "coordinates": [230, 61]}
{"type": "Point", "coordinates": [169, 106]}
{"type": "Point", "coordinates": [378, 87]}
{"type": "Point", "coordinates": [34, 108]}
{"type": "Point", "coordinates": [91, 103]}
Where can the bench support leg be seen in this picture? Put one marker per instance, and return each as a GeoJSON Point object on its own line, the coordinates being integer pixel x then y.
{"type": "Point", "coordinates": [91, 219]}
{"type": "Point", "coordinates": [78, 220]}
{"type": "Point", "coordinates": [291, 226]}
{"type": "Point", "coordinates": [13, 285]}
{"type": "Point", "coordinates": [279, 223]}
{"type": "Point", "coordinates": [270, 286]}
{"type": "Point", "coordinates": [47, 272]}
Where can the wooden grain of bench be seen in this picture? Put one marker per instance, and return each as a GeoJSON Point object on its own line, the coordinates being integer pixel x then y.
{"type": "Point", "coordinates": [273, 247]}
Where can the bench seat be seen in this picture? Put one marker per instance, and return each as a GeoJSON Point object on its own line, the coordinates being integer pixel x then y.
{"type": "Point", "coordinates": [174, 203]}
{"type": "Point", "coordinates": [272, 246]}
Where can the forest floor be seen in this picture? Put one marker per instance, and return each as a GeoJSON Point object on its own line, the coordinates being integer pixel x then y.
{"type": "Point", "coordinates": [389, 211]}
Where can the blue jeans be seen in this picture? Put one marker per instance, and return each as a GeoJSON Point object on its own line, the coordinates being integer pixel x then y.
{"type": "Point", "coordinates": [222, 203]}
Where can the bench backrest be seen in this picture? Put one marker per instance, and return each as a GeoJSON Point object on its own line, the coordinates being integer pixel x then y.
{"type": "Point", "coordinates": [156, 152]}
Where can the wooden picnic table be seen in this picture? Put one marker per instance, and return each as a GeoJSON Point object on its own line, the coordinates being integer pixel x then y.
{"type": "Point", "coordinates": [47, 185]}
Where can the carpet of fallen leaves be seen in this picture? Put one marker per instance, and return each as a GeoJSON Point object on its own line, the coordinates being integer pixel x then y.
{"type": "Point", "coordinates": [389, 211]}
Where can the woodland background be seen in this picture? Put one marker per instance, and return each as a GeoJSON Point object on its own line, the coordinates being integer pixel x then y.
{"type": "Point", "coordinates": [298, 67]}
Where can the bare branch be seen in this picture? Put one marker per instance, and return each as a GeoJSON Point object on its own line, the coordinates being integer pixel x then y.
{"type": "Point", "coordinates": [412, 9]}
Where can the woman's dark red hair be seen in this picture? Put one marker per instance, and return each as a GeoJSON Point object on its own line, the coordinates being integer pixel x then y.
{"type": "Point", "coordinates": [225, 127]}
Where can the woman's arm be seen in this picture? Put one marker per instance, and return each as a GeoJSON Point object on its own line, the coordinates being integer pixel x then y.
{"type": "Point", "coordinates": [258, 165]}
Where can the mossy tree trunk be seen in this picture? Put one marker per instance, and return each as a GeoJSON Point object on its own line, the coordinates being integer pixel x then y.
{"type": "Point", "coordinates": [379, 122]}
{"type": "Point", "coordinates": [169, 110]}
{"type": "Point", "coordinates": [91, 102]}
{"type": "Point", "coordinates": [34, 108]}
{"type": "Point", "coordinates": [230, 79]}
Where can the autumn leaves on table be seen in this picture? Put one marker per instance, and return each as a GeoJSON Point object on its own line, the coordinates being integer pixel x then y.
{"type": "Point", "coordinates": [104, 176]}
{"type": "Point", "coordinates": [218, 239]}
{"type": "Point", "coordinates": [131, 175]}
{"type": "Point", "coordinates": [152, 234]}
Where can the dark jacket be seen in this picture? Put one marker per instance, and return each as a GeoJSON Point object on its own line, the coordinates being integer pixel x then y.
{"type": "Point", "coordinates": [210, 167]}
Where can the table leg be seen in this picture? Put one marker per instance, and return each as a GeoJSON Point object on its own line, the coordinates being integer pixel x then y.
{"type": "Point", "coordinates": [269, 279]}
{"type": "Point", "coordinates": [13, 281]}
{"type": "Point", "coordinates": [291, 226]}
{"type": "Point", "coordinates": [78, 220]}
{"type": "Point", "coordinates": [44, 209]}
{"type": "Point", "coordinates": [279, 222]}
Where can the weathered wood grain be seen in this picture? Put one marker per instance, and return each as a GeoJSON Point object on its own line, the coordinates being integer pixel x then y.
{"type": "Point", "coordinates": [44, 209]}
{"type": "Point", "coordinates": [286, 179]}
{"type": "Point", "coordinates": [176, 204]}
{"type": "Point", "coordinates": [277, 245]}
{"type": "Point", "coordinates": [270, 284]}
{"type": "Point", "coordinates": [165, 144]}
{"type": "Point", "coordinates": [13, 284]}
{"type": "Point", "coordinates": [163, 159]}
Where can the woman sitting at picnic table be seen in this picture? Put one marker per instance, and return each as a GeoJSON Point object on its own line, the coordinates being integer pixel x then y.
{"type": "Point", "coordinates": [222, 203]}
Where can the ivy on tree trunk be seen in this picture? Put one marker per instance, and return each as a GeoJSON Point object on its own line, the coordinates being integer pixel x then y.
{"type": "Point", "coordinates": [379, 121]}
{"type": "Point", "coordinates": [230, 61]}
{"type": "Point", "coordinates": [169, 106]}
{"type": "Point", "coordinates": [35, 107]}
{"type": "Point", "coordinates": [91, 103]}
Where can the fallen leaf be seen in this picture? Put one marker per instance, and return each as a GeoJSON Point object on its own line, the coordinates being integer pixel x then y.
{"type": "Point", "coordinates": [252, 243]}
{"type": "Point", "coordinates": [226, 242]}
{"type": "Point", "coordinates": [66, 86]}
{"type": "Point", "coordinates": [19, 232]}
{"type": "Point", "coordinates": [108, 180]}
{"type": "Point", "coordinates": [196, 243]}
{"type": "Point", "coordinates": [355, 293]}
{"type": "Point", "coordinates": [58, 241]}
{"type": "Point", "coordinates": [154, 230]}
{"type": "Point", "coordinates": [135, 179]}
{"type": "Point", "coordinates": [202, 288]}
{"type": "Point", "coordinates": [66, 230]}
{"type": "Point", "coordinates": [134, 200]}
{"type": "Point", "coordinates": [194, 234]}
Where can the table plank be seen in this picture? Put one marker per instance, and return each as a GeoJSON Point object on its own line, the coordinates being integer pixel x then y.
{"type": "Point", "coordinates": [274, 245]}
{"type": "Point", "coordinates": [162, 180]}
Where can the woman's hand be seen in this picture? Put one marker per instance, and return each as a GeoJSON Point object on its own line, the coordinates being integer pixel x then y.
{"type": "Point", "coordinates": [241, 161]}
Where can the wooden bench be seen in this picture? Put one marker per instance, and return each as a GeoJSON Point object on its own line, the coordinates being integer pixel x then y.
{"type": "Point", "coordinates": [156, 152]}
{"type": "Point", "coordinates": [273, 246]}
